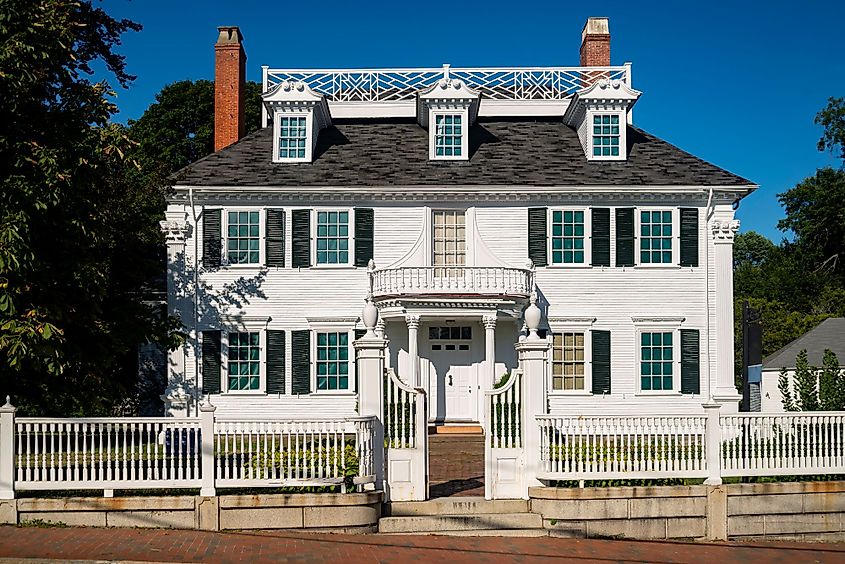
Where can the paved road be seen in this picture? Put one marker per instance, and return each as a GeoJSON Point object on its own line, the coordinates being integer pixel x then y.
{"type": "Point", "coordinates": [152, 545]}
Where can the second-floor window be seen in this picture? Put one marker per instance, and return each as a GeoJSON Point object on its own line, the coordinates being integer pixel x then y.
{"type": "Point", "coordinates": [244, 362]}
{"type": "Point", "coordinates": [448, 242]}
{"type": "Point", "coordinates": [656, 237]}
{"type": "Point", "coordinates": [568, 237]}
{"type": "Point", "coordinates": [243, 237]}
{"type": "Point", "coordinates": [332, 237]}
{"type": "Point", "coordinates": [448, 135]}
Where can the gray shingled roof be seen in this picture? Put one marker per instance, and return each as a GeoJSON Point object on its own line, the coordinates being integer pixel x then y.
{"type": "Point", "coordinates": [829, 334]}
{"type": "Point", "coordinates": [502, 152]}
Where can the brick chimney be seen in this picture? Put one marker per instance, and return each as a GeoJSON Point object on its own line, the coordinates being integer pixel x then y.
{"type": "Point", "coordinates": [229, 77]}
{"type": "Point", "coordinates": [595, 43]}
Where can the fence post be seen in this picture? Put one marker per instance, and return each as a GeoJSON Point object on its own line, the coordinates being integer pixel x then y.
{"type": "Point", "coordinates": [713, 443]}
{"type": "Point", "coordinates": [207, 485]}
{"type": "Point", "coordinates": [369, 355]}
{"type": "Point", "coordinates": [7, 450]}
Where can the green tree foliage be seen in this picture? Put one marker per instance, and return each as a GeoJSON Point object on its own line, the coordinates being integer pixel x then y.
{"type": "Point", "coordinates": [178, 128]}
{"type": "Point", "coordinates": [78, 237]}
{"type": "Point", "coordinates": [832, 120]}
{"type": "Point", "coordinates": [814, 389]}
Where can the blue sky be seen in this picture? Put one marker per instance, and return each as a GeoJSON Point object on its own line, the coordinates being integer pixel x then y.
{"type": "Point", "coordinates": [735, 83]}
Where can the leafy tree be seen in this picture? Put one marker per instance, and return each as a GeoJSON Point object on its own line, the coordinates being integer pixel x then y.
{"type": "Point", "coordinates": [831, 383]}
{"type": "Point", "coordinates": [751, 249]}
{"type": "Point", "coordinates": [814, 389]}
{"type": "Point", "coordinates": [78, 233]}
{"type": "Point", "coordinates": [832, 119]}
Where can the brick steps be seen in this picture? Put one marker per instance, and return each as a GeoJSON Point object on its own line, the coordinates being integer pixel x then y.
{"type": "Point", "coordinates": [456, 465]}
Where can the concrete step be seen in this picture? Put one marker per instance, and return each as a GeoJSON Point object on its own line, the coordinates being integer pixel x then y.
{"type": "Point", "coordinates": [440, 523]}
{"type": "Point", "coordinates": [457, 506]}
{"type": "Point", "coordinates": [455, 430]}
{"type": "Point", "coordinates": [485, 533]}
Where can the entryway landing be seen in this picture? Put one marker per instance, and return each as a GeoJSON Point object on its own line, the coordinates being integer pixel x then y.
{"type": "Point", "coordinates": [456, 464]}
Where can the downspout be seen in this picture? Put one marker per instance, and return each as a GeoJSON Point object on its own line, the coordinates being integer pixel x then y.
{"type": "Point", "coordinates": [195, 300]}
{"type": "Point", "coordinates": [708, 213]}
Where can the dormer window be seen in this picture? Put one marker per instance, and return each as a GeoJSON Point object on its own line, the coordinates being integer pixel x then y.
{"type": "Point", "coordinates": [293, 137]}
{"type": "Point", "coordinates": [606, 135]}
{"type": "Point", "coordinates": [447, 109]}
{"type": "Point", "coordinates": [298, 115]}
{"type": "Point", "coordinates": [449, 136]}
{"type": "Point", "coordinates": [599, 113]}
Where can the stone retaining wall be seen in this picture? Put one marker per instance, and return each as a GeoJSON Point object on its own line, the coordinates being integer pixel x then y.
{"type": "Point", "coordinates": [354, 512]}
{"type": "Point", "coordinates": [806, 511]}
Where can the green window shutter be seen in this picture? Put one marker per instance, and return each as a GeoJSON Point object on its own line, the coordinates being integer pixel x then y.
{"type": "Point", "coordinates": [537, 234]}
{"type": "Point", "coordinates": [600, 236]}
{"type": "Point", "coordinates": [690, 362]}
{"type": "Point", "coordinates": [363, 236]}
{"type": "Point", "coordinates": [301, 361]}
{"type": "Point", "coordinates": [624, 236]}
{"type": "Point", "coordinates": [275, 237]}
{"type": "Point", "coordinates": [689, 236]}
{"type": "Point", "coordinates": [275, 362]}
{"type": "Point", "coordinates": [601, 362]}
{"type": "Point", "coordinates": [301, 234]}
{"type": "Point", "coordinates": [211, 242]}
{"type": "Point", "coordinates": [211, 362]}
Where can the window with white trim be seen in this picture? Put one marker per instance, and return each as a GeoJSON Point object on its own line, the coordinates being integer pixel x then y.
{"type": "Point", "coordinates": [448, 135]}
{"type": "Point", "coordinates": [243, 237]}
{"type": "Point", "coordinates": [657, 360]}
{"type": "Point", "coordinates": [332, 237]}
{"type": "Point", "coordinates": [656, 237]}
{"type": "Point", "coordinates": [568, 236]}
{"type": "Point", "coordinates": [332, 360]}
{"type": "Point", "coordinates": [292, 137]}
{"type": "Point", "coordinates": [448, 242]}
{"type": "Point", "coordinates": [606, 136]}
{"type": "Point", "coordinates": [243, 368]}
{"type": "Point", "coordinates": [568, 361]}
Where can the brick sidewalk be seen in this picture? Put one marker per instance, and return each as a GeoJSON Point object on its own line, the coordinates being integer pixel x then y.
{"type": "Point", "coordinates": [158, 545]}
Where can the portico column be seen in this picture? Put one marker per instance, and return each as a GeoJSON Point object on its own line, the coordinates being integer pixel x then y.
{"type": "Point", "coordinates": [413, 322]}
{"type": "Point", "coordinates": [490, 347]}
{"type": "Point", "coordinates": [175, 230]}
{"type": "Point", "coordinates": [723, 232]}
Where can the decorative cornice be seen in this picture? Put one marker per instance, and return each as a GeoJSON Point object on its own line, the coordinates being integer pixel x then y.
{"type": "Point", "coordinates": [658, 320]}
{"type": "Point", "coordinates": [575, 321]}
{"type": "Point", "coordinates": [724, 231]}
{"type": "Point", "coordinates": [332, 319]}
{"type": "Point", "coordinates": [175, 231]}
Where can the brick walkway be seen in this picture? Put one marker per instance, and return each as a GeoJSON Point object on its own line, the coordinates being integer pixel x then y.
{"type": "Point", "coordinates": [154, 545]}
{"type": "Point", "coordinates": [456, 465]}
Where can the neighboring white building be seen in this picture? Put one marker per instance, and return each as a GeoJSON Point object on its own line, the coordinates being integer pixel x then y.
{"type": "Point", "coordinates": [450, 196]}
{"type": "Point", "coordinates": [827, 335]}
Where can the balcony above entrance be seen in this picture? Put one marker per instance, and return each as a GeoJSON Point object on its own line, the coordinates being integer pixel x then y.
{"type": "Point", "coordinates": [482, 281]}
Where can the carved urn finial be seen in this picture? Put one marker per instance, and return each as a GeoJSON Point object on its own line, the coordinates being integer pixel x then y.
{"type": "Point", "coordinates": [533, 315]}
{"type": "Point", "coordinates": [369, 316]}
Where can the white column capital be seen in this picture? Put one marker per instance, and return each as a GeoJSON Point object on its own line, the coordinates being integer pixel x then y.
{"type": "Point", "coordinates": [724, 231]}
{"type": "Point", "coordinates": [413, 321]}
{"type": "Point", "coordinates": [489, 321]}
{"type": "Point", "coordinates": [175, 231]}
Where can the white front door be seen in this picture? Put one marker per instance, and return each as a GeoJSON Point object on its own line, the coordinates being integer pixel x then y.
{"type": "Point", "coordinates": [453, 376]}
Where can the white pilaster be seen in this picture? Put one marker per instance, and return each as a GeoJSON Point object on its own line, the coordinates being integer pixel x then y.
{"type": "Point", "coordinates": [413, 322]}
{"type": "Point", "coordinates": [7, 450]}
{"type": "Point", "coordinates": [176, 399]}
{"type": "Point", "coordinates": [723, 232]}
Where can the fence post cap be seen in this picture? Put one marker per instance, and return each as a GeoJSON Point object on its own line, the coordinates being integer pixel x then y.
{"type": "Point", "coordinates": [8, 407]}
{"type": "Point", "coordinates": [206, 405]}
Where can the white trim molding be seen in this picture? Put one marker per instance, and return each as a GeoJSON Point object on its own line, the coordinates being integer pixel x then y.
{"type": "Point", "coordinates": [724, 231]}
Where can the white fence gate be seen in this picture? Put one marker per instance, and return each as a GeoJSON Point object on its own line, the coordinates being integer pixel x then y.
{"type": "Point", "coordinates": [406, 439]}
{"type": "Point", "coordinates": [504, 454]}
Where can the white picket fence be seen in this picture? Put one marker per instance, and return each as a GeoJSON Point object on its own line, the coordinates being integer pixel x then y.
{"type": "Point", "coordinates": [201, 452]}
{"type": "Point", "coordinates": [710, 446]}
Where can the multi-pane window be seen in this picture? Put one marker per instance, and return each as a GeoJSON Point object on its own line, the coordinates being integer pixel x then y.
{"type": "Point", "coordinates": [655, 237]}
{"type": "Point", "coordinates": [332, 361]}
{"type": "Point", "coordinates": [449, 242]}
{"type": "Point", "coordinates": [568, 361]}
{"type": "Point", "coordinates": [293, 135]}
{"type": "Point", "coordinates": [567, 237]}
{"type": "Point", "coordinates": [441, 335]}
{"type": "Point", "coordinates": [606, 135]}
{"type": "Point", "coordinates": [244, 361]}
{"type": "Point", "coordinates": [656, 360]}
{"type": "Point", "coordinates": [332, 237]}
{"type": "Point", "coordinates": [448, 135]}
{"type": "Point", "coordinates": [243, 238]}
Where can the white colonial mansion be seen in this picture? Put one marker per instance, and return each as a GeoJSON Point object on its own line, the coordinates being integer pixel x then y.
{"type": "Point", "coordinates": [450, 198]}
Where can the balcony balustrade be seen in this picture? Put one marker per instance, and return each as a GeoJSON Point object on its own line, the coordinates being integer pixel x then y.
{"type": "Point", "coordinates": [451, 280]}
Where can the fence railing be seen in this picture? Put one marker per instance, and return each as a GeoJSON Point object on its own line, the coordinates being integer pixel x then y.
{"type": "Point", "coordinates": [479, 280]}
{"type": "Point", "coordinates": [504, 412]}
{"type": "Point", "coordinates": [200, 452]}
{"type": "Point", "coordinates": [576, 448]}
{"type": "Point", "coordinates": [760, 444]}
{"type": "Point", "coordinates": [404, 412]}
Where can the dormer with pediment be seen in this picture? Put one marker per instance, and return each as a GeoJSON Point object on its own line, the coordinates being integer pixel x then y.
{"type": "Point", "coordinates": [297, 115]}
{"type": "Point", "coordinates": [599, 113]}
{"type": "Point", "coordinates": [447, 110]}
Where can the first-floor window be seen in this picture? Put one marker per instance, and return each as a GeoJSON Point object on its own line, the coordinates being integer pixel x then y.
{"type": "Point", "coordinates": [244, 368]}
{"type": "Point", "coordinates": [568, 361]}
{"type": "Point", "coordinates": [656, 360]}
{"type": "Point", "coordinates": [332, 361]}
